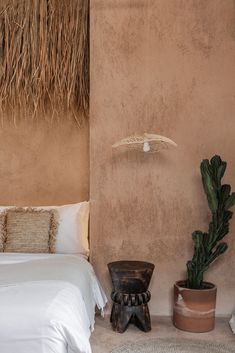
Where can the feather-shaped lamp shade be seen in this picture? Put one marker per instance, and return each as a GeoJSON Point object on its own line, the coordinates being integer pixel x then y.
{"type": "Point", "coordinates": [149, 143]}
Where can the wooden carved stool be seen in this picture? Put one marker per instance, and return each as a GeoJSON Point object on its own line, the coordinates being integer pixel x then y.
{"type": "Point", "coordinates": [130, 294]}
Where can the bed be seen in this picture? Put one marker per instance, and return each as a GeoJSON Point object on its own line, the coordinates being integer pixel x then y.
{"type": "Point", "coordinates": [47, 303]}
{"type": "Point", "coordinates": [48, 289]}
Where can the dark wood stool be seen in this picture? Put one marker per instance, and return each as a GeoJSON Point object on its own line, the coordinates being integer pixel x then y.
{"type": "Point", "coordinates": [130, 294]}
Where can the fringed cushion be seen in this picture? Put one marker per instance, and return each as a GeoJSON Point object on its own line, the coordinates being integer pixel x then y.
{"type": "Point", "coordinates": [30, 231]}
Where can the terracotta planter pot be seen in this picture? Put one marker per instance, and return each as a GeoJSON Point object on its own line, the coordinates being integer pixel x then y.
{"type": "Point", "coordinates": [194, 309]}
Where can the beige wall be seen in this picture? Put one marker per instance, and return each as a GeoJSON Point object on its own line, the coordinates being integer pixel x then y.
{"type": "Point", "coordinates": [163, 66]}
{"type": "Point", "coordinates": [43, 164]}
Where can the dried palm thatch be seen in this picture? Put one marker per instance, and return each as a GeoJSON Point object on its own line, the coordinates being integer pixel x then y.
{"type": "Point", "coordinates": [44, 58]}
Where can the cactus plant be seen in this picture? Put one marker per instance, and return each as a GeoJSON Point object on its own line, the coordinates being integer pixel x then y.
{"type": "Point", "coordinates": [209, 246]}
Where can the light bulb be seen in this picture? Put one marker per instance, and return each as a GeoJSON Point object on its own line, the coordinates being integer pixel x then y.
{"type": "Point", "coordinates": [146, 147]}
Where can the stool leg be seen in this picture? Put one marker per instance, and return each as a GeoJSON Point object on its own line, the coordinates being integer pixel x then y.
{"type": "Point", "coordinates": [114, 316]}
{"type": "Point", "coordinates": [120, 317]}
{"type": "Point", "coordinates": [112, 313]}
{"type": "Point", "coordinates": [142, 317]}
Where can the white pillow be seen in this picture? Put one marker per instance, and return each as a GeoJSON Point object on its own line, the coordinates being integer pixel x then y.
{"type": "Point", "coordinates": [72, 236]}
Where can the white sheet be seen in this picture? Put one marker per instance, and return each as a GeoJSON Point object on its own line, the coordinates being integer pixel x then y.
{"type": "Point", "coordinates": [232, 322]}
{"type": "Point", "coordinates": [47, 303]}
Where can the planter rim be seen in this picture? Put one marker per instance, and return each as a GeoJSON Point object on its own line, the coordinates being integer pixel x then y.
{"type": "Point", "coordinates": [214, 287]}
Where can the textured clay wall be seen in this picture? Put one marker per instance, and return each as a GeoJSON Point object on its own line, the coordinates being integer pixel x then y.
{"type": "Point", "coordinates": [165, 67]}
{"type": "Point", "coordinates": [43, 164]}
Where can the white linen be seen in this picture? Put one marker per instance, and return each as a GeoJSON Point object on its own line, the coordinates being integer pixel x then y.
{"type": "Point", "coordinates": [72, 237]}
{"type": "Point", "coordinates": [13, 258]}
{"type": "Point", "coordinates": [232, 323]}
{"type": "Point", "coordinates": [47, 303]}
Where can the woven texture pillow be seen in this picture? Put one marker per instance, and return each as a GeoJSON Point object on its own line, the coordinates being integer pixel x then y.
{"type": "Point", "coordinates": [72, 237]}
{"type": "Point", "coordinates": [30, 231]}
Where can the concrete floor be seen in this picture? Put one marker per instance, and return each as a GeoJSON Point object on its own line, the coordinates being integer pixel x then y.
{"type": "Point", "coordinates": [103, 339]}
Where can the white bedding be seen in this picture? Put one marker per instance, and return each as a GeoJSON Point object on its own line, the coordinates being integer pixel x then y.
{"type": "Point", "coordinates": [232, 322]}
{"type": "Point", "coordinates": [47, 303]}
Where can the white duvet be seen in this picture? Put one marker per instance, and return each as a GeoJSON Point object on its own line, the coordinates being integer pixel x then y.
{"type": "Point", "coordinates": [47, 303]}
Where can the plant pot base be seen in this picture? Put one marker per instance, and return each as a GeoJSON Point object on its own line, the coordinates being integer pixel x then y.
{"type": "Point", "coordinates": [193, 325]}
{"type": "Point", "coordinates": [194, 309]}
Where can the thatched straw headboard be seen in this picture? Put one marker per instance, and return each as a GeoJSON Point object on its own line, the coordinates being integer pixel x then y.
{"type": "Point", "coordinates": [44, 58]}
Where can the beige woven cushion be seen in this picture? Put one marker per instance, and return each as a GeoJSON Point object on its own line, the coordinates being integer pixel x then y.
{"type": "Point", "coordinates": [30, 231]}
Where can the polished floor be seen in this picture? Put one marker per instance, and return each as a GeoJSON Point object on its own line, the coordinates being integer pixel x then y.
{"type": "Point", "coordinates": [103, 339]}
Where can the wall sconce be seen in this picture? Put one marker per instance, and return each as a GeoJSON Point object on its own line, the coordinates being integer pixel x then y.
{"type": "Point", "coordinates": [148, 143]}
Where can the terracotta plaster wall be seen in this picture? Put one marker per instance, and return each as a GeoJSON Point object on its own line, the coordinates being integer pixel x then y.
{"type": "Point", "coordinates": [43, 164]}
{"type": "Point", "coordinates": [165, 67]}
